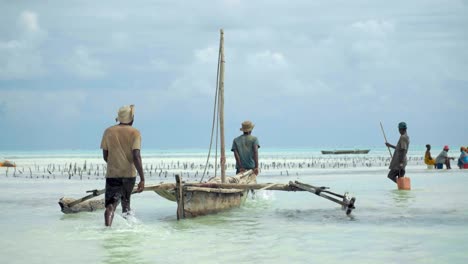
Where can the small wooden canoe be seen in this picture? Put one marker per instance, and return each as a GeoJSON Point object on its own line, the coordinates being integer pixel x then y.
{"type": "Point", "coordinates": [7, 163]}
{"type": "Point", "coordinates": [356, 151]}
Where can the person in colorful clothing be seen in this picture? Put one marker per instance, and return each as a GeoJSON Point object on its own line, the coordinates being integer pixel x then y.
{"type": "Point", "coordinates": [399, 160]}
{"type": "Point", "coordinates": [430, 162]}
{"type": "Point", "coordinates": [463, 159]}
{"type": "Point", "coordinates": [245, 148]}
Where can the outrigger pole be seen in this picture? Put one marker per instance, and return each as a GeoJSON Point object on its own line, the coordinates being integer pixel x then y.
{"type": "Point", "coordinates": [346, 202]}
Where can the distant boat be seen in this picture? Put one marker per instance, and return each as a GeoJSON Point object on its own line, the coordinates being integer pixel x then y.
{"type": "Point", "coordinates": [7, 163]}
{"type": "Point", "coordinates": [355, 151]}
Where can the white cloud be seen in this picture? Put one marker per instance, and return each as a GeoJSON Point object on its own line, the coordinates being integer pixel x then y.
{"type": "Point", "coordinates": [374, 28]}
{"type": "Point", "coordinates": [267, 60]}
{"type": "Point", "coordinates": [22, 58]}
{"type": "Point", "coordinates": [42, 106]}
{"type": "Point", "coordinates": [28, 21]}
{"type": "Point", "coordinates": [83, 64]}
{"type": "Point", "coordinates": [207, 55]}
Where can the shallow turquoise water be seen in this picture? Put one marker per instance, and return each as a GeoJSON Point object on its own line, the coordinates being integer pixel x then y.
{"type": "Point", "coordinates": [428, 224]}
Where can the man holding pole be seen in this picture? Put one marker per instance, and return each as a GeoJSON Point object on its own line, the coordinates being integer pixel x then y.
{"type": "Point", "coordinates": [399, 160]}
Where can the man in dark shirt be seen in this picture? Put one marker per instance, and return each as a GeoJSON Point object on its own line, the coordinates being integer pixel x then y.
{"type": "Point", "coordinates": [245, 148]}
{"type": "Point", "coordinates": [399, 160]}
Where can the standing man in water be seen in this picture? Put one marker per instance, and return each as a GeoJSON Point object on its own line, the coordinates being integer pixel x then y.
{"type": "Point", "coordinates": [399, 160]}
{"type": "Point", "coordinates": [245, 148]}
{"type": "Point", "coordinates": [121, 146]}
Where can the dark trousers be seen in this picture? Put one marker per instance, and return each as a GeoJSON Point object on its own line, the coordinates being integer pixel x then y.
{"type": "Point", "coordinates": [119, 190]}
{"type": "Point", "coordinates": [394, 173]}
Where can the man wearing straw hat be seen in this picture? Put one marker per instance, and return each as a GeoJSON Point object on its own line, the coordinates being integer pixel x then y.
{"type": "Point", "coordinates": [121, 146]}
{"type": "Point", "coordinates": [399, 160]}
{"type": "Point", "coordinates": [245, 148]}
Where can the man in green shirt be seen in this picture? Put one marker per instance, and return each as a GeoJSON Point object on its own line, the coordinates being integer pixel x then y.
{"type": "Point", "coordinates": [245, 148]}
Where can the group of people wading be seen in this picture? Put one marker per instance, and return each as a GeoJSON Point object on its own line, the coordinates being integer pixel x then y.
{"type": "Point", "coordinates": [399, 159]}
{"type": "Point", "coordinates": [121, 145]}
{"type": "Point", "coordinates": [444, 159]}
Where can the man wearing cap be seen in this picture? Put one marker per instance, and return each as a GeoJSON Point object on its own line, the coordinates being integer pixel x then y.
{"type": "Point", "coordinates": [121, 146]}
{"type": "Point", "coordinates": [245, 148]}
{"type": "Point", "coordinates": [443, 158]}
{"type": "Point", "coordinates": [399, 160]}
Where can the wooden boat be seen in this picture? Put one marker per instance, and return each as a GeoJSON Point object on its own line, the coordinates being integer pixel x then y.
{"type": "Point", "coordinates": [218, 193]}
{"type": "Point", "coordinates": [192, 200]}
{"type": "Point", "coordinates": [7, 163]}
{"type": "Point", "coordinates": [203, 199]}
{"type": "Point", "coordinates": [196, 199]}
{"type": "Point", "coordinates": [355, 151]}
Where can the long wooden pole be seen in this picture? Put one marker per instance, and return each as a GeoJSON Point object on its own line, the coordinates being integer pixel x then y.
{"type": "Point", "coordinates": [221, 108]}
{"type": "Point", "coordinates": [385, 137]}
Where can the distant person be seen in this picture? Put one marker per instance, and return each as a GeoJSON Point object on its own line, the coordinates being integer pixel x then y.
{"type": "Point", "coordinates": [443, 159]}
{"type": "Point", "coordinates": [399, 160]}
{"type": "Point", "coordinates": [245, 148]}
{"type": "Point", "coordinates": [430, 162]}
{"type": "Point", "coordinates": [121, 146]}
{"type": "Point", "coordinates": [463, 159]}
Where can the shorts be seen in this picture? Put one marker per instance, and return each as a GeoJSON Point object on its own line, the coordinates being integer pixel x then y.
{"type": "Point", "coordinates": [394, 173]}
{"type": "Point", "coordinates": [118, 189]}
{"type": "Point", "coordinates": [439, 166]}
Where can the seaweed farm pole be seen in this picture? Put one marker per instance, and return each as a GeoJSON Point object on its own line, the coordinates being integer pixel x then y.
{"type": "Point", "coordinates": [221, 107]}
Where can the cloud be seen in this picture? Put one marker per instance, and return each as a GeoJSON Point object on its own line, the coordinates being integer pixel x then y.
{"type": "Point", "coordinates": [206, 55]}
{"type": "Point", "coordinates": [267, 60]}
{"type": "Point", "coordinates": [313, 59]}
{"type": "Point", "coordinates": [38, 106]}
{"type": "Point", "coordinates": [28, 21]}
{"type": "Point", "coordinates": [84, 64]}
{"type": "Point", "coordinates": [374, 28]}
{"type": "Point", "coordinates": [22, 58]}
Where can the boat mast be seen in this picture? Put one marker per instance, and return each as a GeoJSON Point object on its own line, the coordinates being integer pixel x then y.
{"type": "Point", "coordinates": [221, 108]}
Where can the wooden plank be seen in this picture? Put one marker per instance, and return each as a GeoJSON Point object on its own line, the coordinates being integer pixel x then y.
{"type": "Point", "coordinates": [93, 194]}
{"type": "Point", "coordinates": [319, 193]}
{"type": "Point", "coordinates": [256, 186]}
{"type": "Point", "coordinates": [213, 190]}
{"type": "Point", "coordinates": [180, 198]}
{"type": "Point", "coordinates": [347, 205]}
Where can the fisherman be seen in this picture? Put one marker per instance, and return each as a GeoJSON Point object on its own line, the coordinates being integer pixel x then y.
{"type": "Point", "coordinates": [443, 158]}
{"type": "Point", "coordinates": [430, 162]}
{"type": "Point", "coordinates": [245, 148]}
{"type": "Point", "coordinates": [121, 146]}
{"type": "Point", "coordinates": [399, 160]}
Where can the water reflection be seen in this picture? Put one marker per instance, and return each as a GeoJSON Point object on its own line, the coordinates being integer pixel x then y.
{"type": "Point", "coordinates": [402, 198]}
{"type": "Point", "coordinates": [122, 246]}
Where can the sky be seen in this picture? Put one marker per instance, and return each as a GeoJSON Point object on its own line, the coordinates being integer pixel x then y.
{"type": "Point", "coordinates": [309, 74]}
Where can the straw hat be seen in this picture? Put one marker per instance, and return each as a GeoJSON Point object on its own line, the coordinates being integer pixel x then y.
{"type": "Point", "coordinates": [125, 114]}
{"type": "Point", "coordinates": [247, 126]}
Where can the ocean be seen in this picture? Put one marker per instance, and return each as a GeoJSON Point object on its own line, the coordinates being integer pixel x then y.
{"type": "Point", "coordinates": [428, 224]}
